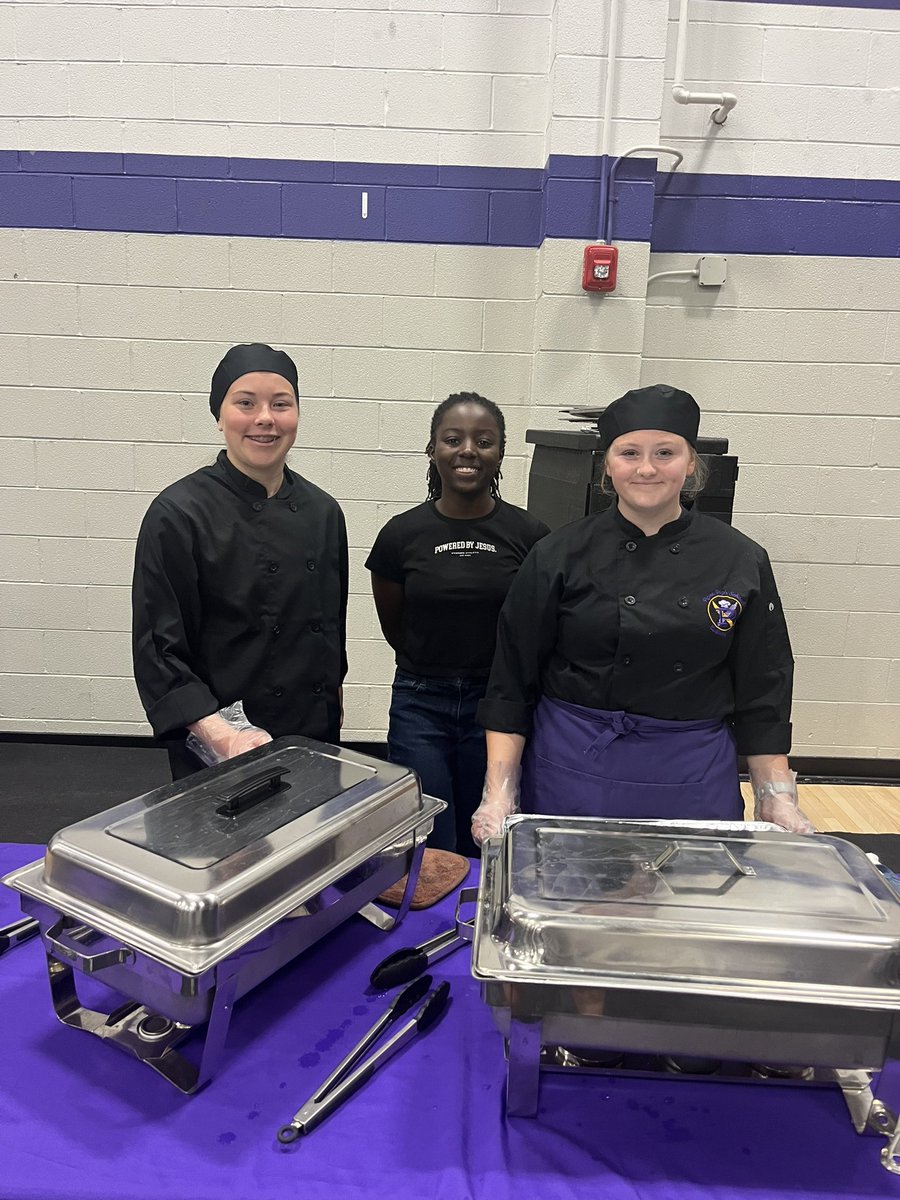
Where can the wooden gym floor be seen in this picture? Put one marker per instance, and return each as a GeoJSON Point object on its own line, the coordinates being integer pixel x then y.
{"type": "Point", "coordinates": [847, 808]}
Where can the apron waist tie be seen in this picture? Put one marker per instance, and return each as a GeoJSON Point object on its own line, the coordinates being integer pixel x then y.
{"type": "Point", "coordinates": [617, 725]}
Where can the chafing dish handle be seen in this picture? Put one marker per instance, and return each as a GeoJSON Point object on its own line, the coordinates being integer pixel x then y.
{"type": "Point", "coordinates": [465, 926]}
{"type": "Point", "coordinates": [17, 933]}
{"type": "Point", "coordinates": [668, 856]}
{"type": "Point", "coordinates": [250, 792]}
{"type": "Point", "coordinates": [67, 948]}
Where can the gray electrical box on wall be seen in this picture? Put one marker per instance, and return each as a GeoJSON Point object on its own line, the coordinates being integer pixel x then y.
{"type": "Point", "coordinates": [564, 480]}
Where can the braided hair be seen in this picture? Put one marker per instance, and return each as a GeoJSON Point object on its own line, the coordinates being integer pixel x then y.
{"type": "Point", "coordinates": [433, 478]}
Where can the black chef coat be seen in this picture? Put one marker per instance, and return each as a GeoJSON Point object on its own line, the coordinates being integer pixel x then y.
{"type": "Point", "coordinates": [685, 625]}
{"type": "Point", "coordinates": [240, 597]}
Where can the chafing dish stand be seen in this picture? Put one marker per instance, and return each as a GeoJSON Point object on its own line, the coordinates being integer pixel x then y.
{"type": "Point", "coordinates": [184, 899]}
{"type": "Point", "coordinates": [607, 946]}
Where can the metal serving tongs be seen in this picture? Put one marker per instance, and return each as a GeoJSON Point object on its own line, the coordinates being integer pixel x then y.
{"type": "Point", "coordinates": [344, 1079]}
{"type": "Point", "coordinates": [17, 933]}
{"type": "Point", "coordinates": [404, 965]}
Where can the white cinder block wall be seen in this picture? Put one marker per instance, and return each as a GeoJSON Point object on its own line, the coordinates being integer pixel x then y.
{"type": "Point", "coordinates": [796, 357]}
{"type": "Point", "coordinates": [108, 338]}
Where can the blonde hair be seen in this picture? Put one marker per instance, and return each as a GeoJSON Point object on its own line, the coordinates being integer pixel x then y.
{"type": "Point", "coordinates": [693, 484]}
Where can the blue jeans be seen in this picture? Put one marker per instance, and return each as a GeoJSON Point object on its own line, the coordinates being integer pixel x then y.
{"type": "Point", "coordinates": [433, 730]}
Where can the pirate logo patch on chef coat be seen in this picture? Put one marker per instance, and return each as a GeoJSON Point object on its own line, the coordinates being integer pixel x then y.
{"type": "Point", "coordinates": [723, 611]}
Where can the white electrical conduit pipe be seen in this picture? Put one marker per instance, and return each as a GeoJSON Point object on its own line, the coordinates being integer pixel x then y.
{"type": "Point", "coordinates": [611, 34]}
{"type": "Point", "coordinates": [692, 274]}
{"type": "Point", "coordinates": [606, 215]}
{"type": "Point", "coordinates": [725, 101]}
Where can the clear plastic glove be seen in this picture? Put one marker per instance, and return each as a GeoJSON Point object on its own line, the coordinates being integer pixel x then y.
{"type": "Point", "coordinates": [499, 799]}
{"type": "Point", "coordinates": [776, 801]}
{"type": "Point", "coordinates": [224, 735]}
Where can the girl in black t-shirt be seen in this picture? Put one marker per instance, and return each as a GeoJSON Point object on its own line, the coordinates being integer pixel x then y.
{"type": "Point", "coordinates": [440, 574]}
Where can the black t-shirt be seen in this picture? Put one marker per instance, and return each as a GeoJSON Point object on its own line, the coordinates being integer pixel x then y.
{"type": "Point", "coordinates": [240, 597]}
{"type": "Point", "coordinates": [685, 625]}
{"type": "Point", "coordinates": [455, 575]}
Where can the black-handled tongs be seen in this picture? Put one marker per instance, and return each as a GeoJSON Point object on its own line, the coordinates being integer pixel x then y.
{"type": "Point", "coordinates": [348, 1076]}
{"type": "Point", "coordinates": [404, 965]}
{"type": "Point", "coordinates": [17, 933]}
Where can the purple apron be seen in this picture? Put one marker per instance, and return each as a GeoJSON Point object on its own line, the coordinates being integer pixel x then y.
{"type": "Point", "coordinates": [590, 762]}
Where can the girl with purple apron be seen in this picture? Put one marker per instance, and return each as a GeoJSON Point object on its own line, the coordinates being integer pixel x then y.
{"type": "Point", "coordinates": [640, 650]}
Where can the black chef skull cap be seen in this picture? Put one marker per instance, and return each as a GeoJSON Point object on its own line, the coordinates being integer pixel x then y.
{"type": "Point", "coordinates": [656, 407]}
{"type": "Point", "coordinates": [241, 360]}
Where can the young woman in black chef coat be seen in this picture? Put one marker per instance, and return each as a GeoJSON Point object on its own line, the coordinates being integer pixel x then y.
{"type": "Point", "coordinates": [640, 650]}
{"type": "Point", "coordinates": [240, 581]}
{"type": "Point", "coordinates": [440, 573]}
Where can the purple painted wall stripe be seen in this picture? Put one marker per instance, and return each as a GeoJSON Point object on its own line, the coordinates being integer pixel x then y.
{"type": "Point", "coordinates": [881, 4]}
{"type": "Point", "coordinates": [503, 206]}
{"type": "Point", "coordinates": [456, 215]}
{"type": "Point", "coordinates": [404, 174]}
{"type": "Point", "coordinates": [173, 166]}
{"type": "Point", "coordinates": [36, 201]}
{"type": "Point", "coordinates": [223, 205]}
{"type": "Point", "coordinates": [60, 162]}
{"type": "Point", "coordinates": [284, 170]}
{"type": "Point", "coordinates": [145, 205]}
{"type": "Point", "coordinates": [332, 211]}
{"type": "Point", "coordinates": [757, 225]}
{"type": "Point", "coordinates": [520, 178]}
{"type": "Point", "coordinates": [514, 218]}
{"type": "Point", "coordinates": [685, 183]}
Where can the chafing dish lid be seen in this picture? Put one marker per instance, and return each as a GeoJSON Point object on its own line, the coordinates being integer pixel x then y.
{"type": "Point", "coordinates": [213, 818]}
{"type": "Point", "coordinates": [191, 871]}
{"type": "Point", "coordinates": [620, 904]}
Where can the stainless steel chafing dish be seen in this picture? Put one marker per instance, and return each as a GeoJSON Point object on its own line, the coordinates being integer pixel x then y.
{"type": "Point", "coordinates": [610, 945]}
{"type": "Point", "coordinates": [186, 898]}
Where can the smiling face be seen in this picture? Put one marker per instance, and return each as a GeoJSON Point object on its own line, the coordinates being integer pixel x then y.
{"type": "Point", "coordinates": [466, 451]}
{"type": "Point", "coordinates": [648, 468]}
{"type": "Point", "coordinates": [259, 421]}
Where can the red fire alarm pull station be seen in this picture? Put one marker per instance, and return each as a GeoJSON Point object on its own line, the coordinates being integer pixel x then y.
{"type": "Point", "coordinates": [599, 274]}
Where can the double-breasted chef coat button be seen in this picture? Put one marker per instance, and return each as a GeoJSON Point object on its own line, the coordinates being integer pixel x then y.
{"type": "Point", "coordinates": [626, 661]}
{"type": "Point", "coordinates": [631, 547]}
{"type": "Point", "coordinates": [310, 564]}
{"type": "Point", "coordinates": [682, 601]}
{"type": "Point", "coordinates": [678, 668]}
{"type": "Point", "coordinates": [292, 506]}
{"type": "Point", "coordinates": [318, 689]}
{"type": "Point", "coordinates": [278, 692]}
{"type": "Point", "coordinates": [314, 627]}
{"type": "Point", "coordinates": [273, 567]}
{"type": "Point", "coordinates": [676, 549]}
{"type": "Point", "coordinates": [257, 506]}
{"type": "Point", "coordinates": [630, 600]}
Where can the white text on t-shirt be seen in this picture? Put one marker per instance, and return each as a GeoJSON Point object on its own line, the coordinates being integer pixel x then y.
{"type": "Point", "coordinates": [465, 547]}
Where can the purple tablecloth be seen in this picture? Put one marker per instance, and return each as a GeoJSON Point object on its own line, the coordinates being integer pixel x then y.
{"type": "Point", "coordinates": [81, 1120]}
